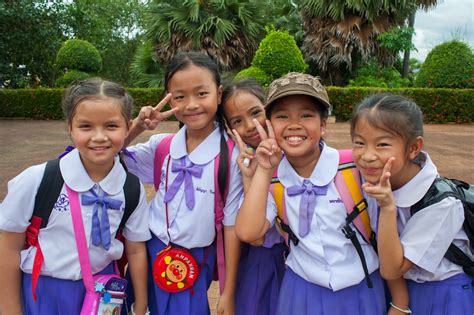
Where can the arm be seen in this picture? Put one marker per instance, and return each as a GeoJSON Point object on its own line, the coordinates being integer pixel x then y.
{"type": "Point", "coordinates": [10, 273]}
{"type": "Point", "coordinates": [399, 294]}
{"type": "Point", "coordinates": [138, 268]}
{"type": "Point", "coordinates": [226, 303]}
{"type": "Point", "coordinates": [393, 263]}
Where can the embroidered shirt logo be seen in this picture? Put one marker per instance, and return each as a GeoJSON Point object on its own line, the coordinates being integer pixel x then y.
{"type": "Point", "coordinates": [62, 204]}
{"type": "Point", "coordinates": [338, 200]}
{"type": "Point", "coordinates": [201, 190]}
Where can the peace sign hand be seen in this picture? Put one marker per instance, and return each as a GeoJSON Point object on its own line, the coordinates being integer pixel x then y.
{"type": "Point", "coordinates": [246, 162]}
{"type": "Point", "coordinates": [382, 191]}
{"type": "Point", "coordinates": [269, 153]}
{"type": "Point", "coordinates": [149, 117]}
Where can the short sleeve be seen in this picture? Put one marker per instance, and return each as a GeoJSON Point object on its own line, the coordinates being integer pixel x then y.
{"type": "Point", "coordinates": [440, 223]}
{"type": "Point", "coordinates": [271, 211]}
{"type": "Point", "coordinates": [17, 207]}
{"type": "Point", "coordinates": [136, 228]}
{"type": "Point", "coordinates": [142, 163]}
{"type": "Point", "coordinates": [234, 192]}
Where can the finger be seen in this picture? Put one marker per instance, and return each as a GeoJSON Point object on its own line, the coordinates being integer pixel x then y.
{"type": "Point", "coordinates": [169, 113]}
{"type": "Point", "coordinates": [385, 178]}
{"type": "Point", "coordinates": [240, 142]}
{"type": "Point", "coordinates": [388, 166]}
{"type": "Point", "coordinates": [261, 131]}
{"type": "Point", "coordinates": [144, 113]}
{"type": "Point", "coordinates": [163, 102]}
{"type": "Point", "coordinates": [271, 133]}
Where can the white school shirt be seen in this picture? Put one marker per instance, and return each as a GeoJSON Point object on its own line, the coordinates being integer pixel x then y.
{"type": "Point", "coordinates": [187, 228]}
{"type": "Point", "coordinates": [426, 236]}
{"type": "Point", "coordinates": [324, 256]}
{"type": "Point", "coordinates": [57, 240]}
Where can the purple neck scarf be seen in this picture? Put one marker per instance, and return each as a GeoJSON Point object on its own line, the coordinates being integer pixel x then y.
{"type": "Point", "coordinates": [307, 203]}
{"type": "Point", "coordinates": [100, 232]}
{"type": "Point", "coordinates": [186, 174]}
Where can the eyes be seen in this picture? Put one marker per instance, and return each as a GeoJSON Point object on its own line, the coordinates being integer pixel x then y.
{"type": "Point", "coordinates": [304, 115]}
{"type": "Point", "coordinates": [360, 143]}
{"type": "Point", "coordinates": [108, 126]}
{"type": "Point", "coordinates": [200, 94]}
{"type": "Point", "coordinates": [253, 114]}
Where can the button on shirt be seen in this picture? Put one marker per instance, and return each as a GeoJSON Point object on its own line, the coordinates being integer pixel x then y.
{"type": "Point", "coordinates": [57, 239]}
{"type": "Point", "coordinates": [324, 256]}
{"type": "Point", "coordinates": [195, 227]}
{"type": "Point", "coordinates": [426, 236]}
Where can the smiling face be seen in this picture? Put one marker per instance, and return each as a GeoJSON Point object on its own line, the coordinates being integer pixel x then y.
{"type": "Point", "coordinates": [298, 127]}
{"type": "Point", "coordinates": [98, 130]}
{"type": "Point", "coordinates": [196, 94]}
{"type": "Point", "coordinates": [239, 110]}
{"type": "Point", "coordinates": [372, 148]}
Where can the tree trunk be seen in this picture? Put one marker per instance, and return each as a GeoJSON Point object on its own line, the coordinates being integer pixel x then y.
{"type": "Point", "coordinates": [406, 55]}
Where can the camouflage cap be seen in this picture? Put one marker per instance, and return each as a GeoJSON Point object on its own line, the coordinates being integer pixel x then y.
{"type": "Point", "coordinates": [295, 83]}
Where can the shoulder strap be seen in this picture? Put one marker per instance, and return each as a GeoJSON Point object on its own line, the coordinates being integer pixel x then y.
{"type": "Point", "coordinates": [219, 205]}
{"type": "Point", "coordinates": [131, 190]}
{"type": "Point", "coordinates": [348, 185]}
{"type": "Point", "coordinates": [162, 150]}
{"type": "Point", "coordinates": [440, 189]}
{"type": "Point", "coordinates": [48, 192]}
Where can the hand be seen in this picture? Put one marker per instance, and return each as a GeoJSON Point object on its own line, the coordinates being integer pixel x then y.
{"type": "Point", "coordinates": [268, 152]}
{"type": "Point", "coordinates": [383, 190]}
{"type": "Point", "coordinates": [149, 117]}
{"type": "Point", "coordinates": [226, 305]}
{"type": "Point", "coordinates": [245, 153]}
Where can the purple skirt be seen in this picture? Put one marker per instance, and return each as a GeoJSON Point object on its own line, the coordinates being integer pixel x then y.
{"type": "Point", "coordinates": [184, 302]}
{"type": "Point", "coordinates": [55, 296]}
{"type": "Point", "coordinates": [298, 296]}
{"type": "Point", "coordinates": [260, 275]}
{"type": "Point", "coordinates": [454, 296]}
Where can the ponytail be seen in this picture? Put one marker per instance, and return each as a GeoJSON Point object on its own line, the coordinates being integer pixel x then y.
{"type": "Point", "coordinates": [224, 159]}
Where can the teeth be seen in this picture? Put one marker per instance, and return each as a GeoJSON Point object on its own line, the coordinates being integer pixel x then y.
{"type": "Point", "coordinates": [295, 138]}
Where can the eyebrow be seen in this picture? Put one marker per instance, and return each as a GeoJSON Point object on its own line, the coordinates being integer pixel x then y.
{"type": "Point", "coordinates": [197, 87]}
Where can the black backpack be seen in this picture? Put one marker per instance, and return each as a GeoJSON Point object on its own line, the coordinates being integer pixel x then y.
{"type": "Point", "coordinates": [442, 188]}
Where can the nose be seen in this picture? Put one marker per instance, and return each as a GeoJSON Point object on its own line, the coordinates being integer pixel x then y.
{"type": "Point", "coordinates": [368, 155]}
{"type": "Point", "coordinates": [249, 125]}
{"type": "Point", "coordinates": [99, 135]}
{"type": "Point", "coordinates": [192, 104]}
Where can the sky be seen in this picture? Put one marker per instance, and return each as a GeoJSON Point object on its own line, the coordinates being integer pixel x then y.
{"type": "Point", "coordinates": [450, 19]}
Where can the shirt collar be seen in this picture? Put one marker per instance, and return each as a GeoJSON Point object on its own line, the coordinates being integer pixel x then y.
{"type": "Point", "coordinates": [76, 177]}
{"type": "Point", "coordinates": [205, 152]}
{"type": "Point", "coordinates": [322, 175]}
{"type": "Point", "coordinates": [416, 188]}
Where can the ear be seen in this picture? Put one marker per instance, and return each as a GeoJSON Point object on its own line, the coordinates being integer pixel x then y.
{"type": "Point", "coordinates": [415, 147]}
{"type": "Point", "coordinates": [323, 127]}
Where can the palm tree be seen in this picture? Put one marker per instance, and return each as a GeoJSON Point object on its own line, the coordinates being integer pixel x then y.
{"type": "Point", "coordinates": [342, 33]}
{"type": "Point", "coordinates": [228, 30]}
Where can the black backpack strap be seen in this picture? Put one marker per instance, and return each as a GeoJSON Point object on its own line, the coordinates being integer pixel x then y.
{"type": "Point", "coordinates": [440, 189]}
{"type": "Point", "coordinates": [351, 234]}
{"type": "Point", "coordinates": [48, 191]}
{"type": "Point", "coordinates": [131, 190]}
{"type": "Point", "coordinates": [457, 256]}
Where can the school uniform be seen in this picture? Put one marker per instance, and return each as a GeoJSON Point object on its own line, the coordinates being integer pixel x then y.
{"type": "Point", "coordinates": [436, 285]}
{"type": "Point", "coordinates": [261, 270]}
{"type": "Point", "coordinates": [324, 274]}
{"type": "Point", "coordinates": [189, 219]}
{"type": "Point", "coordinates": [60, 288]}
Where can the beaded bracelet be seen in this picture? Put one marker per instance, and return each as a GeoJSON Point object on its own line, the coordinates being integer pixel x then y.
{"type": "Point", "coordinates": [407, 311]}
{"type": "Point", "coordinates": [132, 311]}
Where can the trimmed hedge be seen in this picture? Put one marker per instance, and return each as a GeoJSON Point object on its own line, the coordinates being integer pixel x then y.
{"type": "Point", "coordinates": [79, 55]}
{"type": "Point", "coordinates": [438, 105]}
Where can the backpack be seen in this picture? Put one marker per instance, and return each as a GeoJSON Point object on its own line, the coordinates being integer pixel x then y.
{"type": "Point", "coordinates": [442, 188]}
{"type": "Point", "coordinates": [47, 195]}
{"type": "Point", "coordinates": [162, 150]}
{"type": "Point", "coordinates": [348, 185]}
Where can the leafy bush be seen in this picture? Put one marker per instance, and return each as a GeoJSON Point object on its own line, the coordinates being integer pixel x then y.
{"type": "Point", "coordinates": [278, 54]}
{"type": "Point", "coordinates": [438, 105]}
{"type": "Point", "coordinates": [449, 65]}
{"type": "Point", "coordinates": [71, 76]}
{"type": "Point", "coordinates": [144, 70]}
{"type": "Point", "coordinates": [254, 73]}
{"type": "Point", "coordinates": [77, 54]}
{"type": "Point", "coordinates": [376, 76]}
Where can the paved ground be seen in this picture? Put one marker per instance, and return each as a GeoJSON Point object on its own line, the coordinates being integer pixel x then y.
{"type": "Point", "coordinates": [27, 142]}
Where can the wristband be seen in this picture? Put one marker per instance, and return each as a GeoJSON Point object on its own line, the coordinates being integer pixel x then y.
{"type": "Point", "coordinates": [407, 311]}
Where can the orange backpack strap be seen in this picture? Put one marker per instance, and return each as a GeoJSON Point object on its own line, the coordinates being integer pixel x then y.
{"type": "Point", "coordinates": [278, 191]}
{"type": "Point", "coordinates": [348, 185]}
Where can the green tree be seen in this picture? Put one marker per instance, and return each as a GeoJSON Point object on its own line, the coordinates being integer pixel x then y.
{"type": "Point", "coordinates": [144, 70]}
{"type": "Point", "coordinates": [340, 34]}
{"type": "Point", "coordinates": [226, 29]}
{"type": "Point", "coordinates": [32, 33]}
{"type": "Point", "coordinates": [448, 65]}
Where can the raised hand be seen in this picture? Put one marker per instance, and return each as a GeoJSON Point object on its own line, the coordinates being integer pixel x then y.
{"type": "Point", "coordinates": [382, 191]}
{"type": "Point", "coordinates": [246, 154]}
{"type": "Point", "coordinates": [149, 116]}
{"type": "Point", "coordinates": [269, 153]}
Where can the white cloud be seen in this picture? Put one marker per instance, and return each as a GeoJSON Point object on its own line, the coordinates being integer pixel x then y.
{"type": "Point", "coordinates": [450, 19]}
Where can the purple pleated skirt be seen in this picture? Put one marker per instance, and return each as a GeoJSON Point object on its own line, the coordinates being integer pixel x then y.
{"type": "Point", "coordinates": [260, 275]}
{"type": "Point", "coordinates": [452, 296]}
{"type": "Point", "coordinates": [55, 296]}
{"type": "Point", "coordinates": [298, 296]}
{"type": "Point", "coordinates": [185, 302]}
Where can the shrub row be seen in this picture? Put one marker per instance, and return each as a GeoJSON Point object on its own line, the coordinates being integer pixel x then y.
{"type": "Point", "coordinates": [438, 105]}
